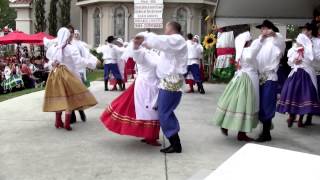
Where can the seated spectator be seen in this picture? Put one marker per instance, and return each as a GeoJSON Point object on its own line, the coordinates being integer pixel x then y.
{"type": "Point", "coordinates": [12, 81]}
{"type": "Point", "coordinates": [32, 67]}
{"type": "Point", "coordinates": [27, 76]}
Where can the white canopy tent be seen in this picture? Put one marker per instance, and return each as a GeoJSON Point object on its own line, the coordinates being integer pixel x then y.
{"type": "Point", "coordinates": [285, 12]}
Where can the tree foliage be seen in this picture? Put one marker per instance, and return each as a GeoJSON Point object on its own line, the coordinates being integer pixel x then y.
{"type": "Point", "coordinates": [65, 7]}
{"type": "Point", "coordinates": [40, 14]}
{"type": "Point", "coordinates": [53, 19]}
{"type": "Point", "coordinates": [7, 15]}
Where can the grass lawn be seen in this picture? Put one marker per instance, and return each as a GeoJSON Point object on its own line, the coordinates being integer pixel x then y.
{"type": "Point", "coordinates": [96, 75]}
{"type": "Point", "coordinates": [4, 97]}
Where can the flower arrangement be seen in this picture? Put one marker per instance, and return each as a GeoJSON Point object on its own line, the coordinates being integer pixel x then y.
{"type": "Point", "coordinates": [209, 41]}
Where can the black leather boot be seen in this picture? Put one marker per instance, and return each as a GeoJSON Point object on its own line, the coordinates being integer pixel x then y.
{"type": "Point", "coordinates": [106, 85]}
{"type": "Point", "coordinates": [83, 116]}
{"type": "Point", "coordinates": [309, 120]}
{"type": "Point", "coordinates": [200, 88]}
{"type": "Point", "coordinates": [73, 118]}
{"type": "Point", "coordinates": [175, 146]}
{"type": "Point", "coordinates": [120, 84]}
{"type": "Point", "coordinates": [265, 135]}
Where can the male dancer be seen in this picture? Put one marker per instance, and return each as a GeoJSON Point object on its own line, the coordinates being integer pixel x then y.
{"type": "Point", "coordinates": [268, 60]}
{"type": "Point", "coordinates": [84, 53]}
{"type": "Point", "coordinates": [171, 69]}
{"type": "Point", "coordinates": [110, 56]}
{"type": "Point", "coordinates": [195, 51]}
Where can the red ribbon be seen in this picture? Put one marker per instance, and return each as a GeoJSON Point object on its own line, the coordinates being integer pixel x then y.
{"type": "Point", "coordinates": [301, 53]}
{"type": "Point", "coordinates": [226, 51]}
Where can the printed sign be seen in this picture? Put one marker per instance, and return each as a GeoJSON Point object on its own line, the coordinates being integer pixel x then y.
{"type": "Point", "coordinates": [148, 14]}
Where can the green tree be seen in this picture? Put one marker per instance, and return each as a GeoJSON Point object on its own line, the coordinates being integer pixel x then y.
{"type": "Point", "coordinates": [292, 31]}
{"type": "Point", "coordinates": [7, 15]}
{"type": "Point", "coordinates": [53, 20]}
{"type": "Point", "coordinates": [65, 6]}
{"type": "Point", "coordinates": [40, 13]}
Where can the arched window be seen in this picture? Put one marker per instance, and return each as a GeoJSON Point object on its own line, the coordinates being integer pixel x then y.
{"type": "Point", "coordinates": [119, 22]}
{"type": "Point", "coordinates": [182, 18]}
{"type": "Point", "coordinates": [204, 25]}
{"type": "Point", "coordinates": [96, 21]}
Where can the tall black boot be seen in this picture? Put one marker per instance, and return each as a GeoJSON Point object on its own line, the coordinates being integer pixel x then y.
{"type": "Point", "coordinates": [120, 83]}
{"type": "Point", "coordinates": [309, 120]}
{"type": "Point", "coordinates": [200, 88]}
{"type": "Point", "coordinates": [73, 118]}
{"type": "Point", "coordinates": [175, 146]}
{"type": "Point", "coordinates": [83, 116]}
{"type": "Point", "coordinates": [265, 136]}
{"type": "Point", "coordinates": [106, 85]}
{"type": "Point", "coordinates": [291, 119]}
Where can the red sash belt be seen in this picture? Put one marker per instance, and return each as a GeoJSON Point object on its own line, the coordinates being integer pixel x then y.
{"type": "Point", "coordinates": [225, 51]}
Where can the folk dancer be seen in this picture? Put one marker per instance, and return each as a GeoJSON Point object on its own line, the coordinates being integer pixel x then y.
{"type": "Point", "coordinates": [110, 56]}
{"type": "Point", "coordinates": [64, 89]}
{"type": "Point", "coordinates": [195, 51]}
{"type": "Point", "coordinates": [134, 112]}
{"type": "Point", "coordinates": [238, 107]}
{"type": "Point", "coordinates": [268, 59]}
{"type": "Point", "coordinates": [171, 70]}
{"type": "Point", "coordinates": [300, 92]}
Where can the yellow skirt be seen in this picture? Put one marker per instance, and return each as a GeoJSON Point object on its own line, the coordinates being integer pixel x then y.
{"type": "Point", "coordinates": [65, 92]}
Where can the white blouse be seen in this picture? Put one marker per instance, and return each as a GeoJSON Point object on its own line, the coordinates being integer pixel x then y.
{"type": "Point", "coordinates": [71, 59]}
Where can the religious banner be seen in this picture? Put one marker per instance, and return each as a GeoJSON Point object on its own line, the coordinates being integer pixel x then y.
{"type": "Point", "coordinates": [148, 14]}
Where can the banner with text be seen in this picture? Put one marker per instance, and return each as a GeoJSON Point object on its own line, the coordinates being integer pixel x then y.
{"type": "Point", "coordinates": [148, 14]}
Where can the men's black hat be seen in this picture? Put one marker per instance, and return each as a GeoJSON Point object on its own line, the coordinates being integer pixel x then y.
{"type": "Point", "coordinates": [268, 24]}
{"type": "Point", "coordinates": [110, 39]}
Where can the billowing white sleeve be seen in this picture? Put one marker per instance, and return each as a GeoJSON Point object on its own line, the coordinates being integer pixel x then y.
{"type": "Point", "coordinates": [82, 62]}
{"type": "Point", "coordinates": [255, 48]}
{"type": "Point", "coordinates": [292, 56]}
{"type": "Point", "coordinates": [165, 43]}
{"type": "Point", "coordinates": [138, 55]}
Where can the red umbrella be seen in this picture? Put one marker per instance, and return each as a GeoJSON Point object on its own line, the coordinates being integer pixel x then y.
{"type": "Point", "coordinates": [39, 37]}
{"type": "Point", "coordinates": [17, 37]}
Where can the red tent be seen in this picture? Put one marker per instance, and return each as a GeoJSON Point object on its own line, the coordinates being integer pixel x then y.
{"type": "Point", "coordinates": [39, 37]}
{"type": "Point", "coordinates": [17, 37]}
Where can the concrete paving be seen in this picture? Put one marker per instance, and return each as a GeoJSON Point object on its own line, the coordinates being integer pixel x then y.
{"type": "Point", "coordinates": [32, 149]}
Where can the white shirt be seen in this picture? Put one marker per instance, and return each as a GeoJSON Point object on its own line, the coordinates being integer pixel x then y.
{"type": "Point", "coordinates": [33, 68]}
{"type": "Point", "coordinates": [173, 53]}
{"type": "Point", "coordinates": [269, 56]}
{"type": "Point", "coordinates": [71, 59]}
{"type": "Point", "coordinates": [84, 53]}
{"type": "Point", "coordinates": [195, 51]}
{"type": "Point", "coordinates": [7, 72]}
{"type": "Point", "coordinates": [110, 53]}
{"type": "Point", "coordinates": [316, 52]}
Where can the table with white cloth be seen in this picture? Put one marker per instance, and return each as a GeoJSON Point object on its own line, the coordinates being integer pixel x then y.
{"type": "Point", "coordinates": [254, 162]}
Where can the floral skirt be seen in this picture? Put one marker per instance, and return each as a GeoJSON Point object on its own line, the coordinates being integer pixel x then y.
{"type": "Point", "coordinates": [65, 92]}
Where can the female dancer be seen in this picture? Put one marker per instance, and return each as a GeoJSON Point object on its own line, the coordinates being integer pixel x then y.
{"type": "Point", "coordinates": [134, 112]}
{"type": "Point", "coordinates": [238, 106]}
{"type": "Point", "coordinates": [64, 90]}
{"type": "Point", "coordinates": [299, 94]}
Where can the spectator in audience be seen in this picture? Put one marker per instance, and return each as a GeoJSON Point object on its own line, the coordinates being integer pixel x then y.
{"type": "Point", "coordinates": [27, 76]}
